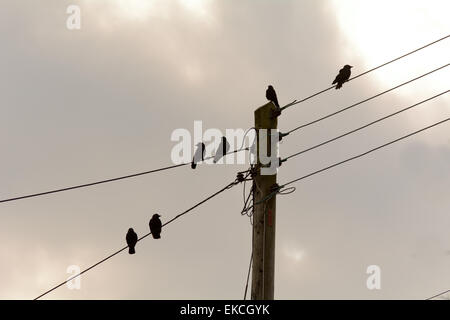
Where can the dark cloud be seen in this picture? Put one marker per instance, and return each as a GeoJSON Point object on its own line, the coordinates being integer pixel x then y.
{"type": "Point", "coordinates": [101, 102]}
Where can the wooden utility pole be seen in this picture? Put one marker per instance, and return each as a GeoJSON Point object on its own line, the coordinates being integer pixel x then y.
{"type": "Point", "coordinates": [263, 268]}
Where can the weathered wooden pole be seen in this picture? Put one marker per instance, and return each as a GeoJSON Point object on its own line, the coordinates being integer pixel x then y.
{"type": "Point", "coordinates": [264, 214]}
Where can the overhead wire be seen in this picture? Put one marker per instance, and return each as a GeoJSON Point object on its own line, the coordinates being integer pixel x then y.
{"type": "Point", "coordinates": [363, 154]}
{"type": "Point", "coordinates": [438, 295]}
{"type": "Point", "coordinates": [364, 126]}
{"type": "Point", "coordinates": [362, 101]}
{"type": "Point", "coordinates": [107, 180]}
{"type": "Point", "coordinates": [295, 102]}
{"type": "Point", "coordinates": [248, 200]}
{"type": "Point", "coordinates": [228, 186]}
{"type": "Point", "coordinates": [248, 275]}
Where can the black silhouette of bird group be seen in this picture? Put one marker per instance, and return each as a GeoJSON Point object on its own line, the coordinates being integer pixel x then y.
{"type": "Point", "coordinates": [224, 147]}
{"type": "Point", "coordinates": [271, 95]}
{"type": "Point", "coordinates": [155, 229]}
{"type": "Point", "coordinates": [199, 154]}
{"type": "Point", "coordinates": [341, 78]}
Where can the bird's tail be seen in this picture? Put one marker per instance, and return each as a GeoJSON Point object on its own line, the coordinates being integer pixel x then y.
{"type": "Point", "coordinates": [156, 236]}
{"type": "Point", "coordinates": [339, 85]}
{"type": "Point", "coordinates": [193, 165]}
{"type": "Point", "coordinates": [131, 250]}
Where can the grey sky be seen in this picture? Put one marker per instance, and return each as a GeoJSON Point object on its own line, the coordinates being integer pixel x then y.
{"type": "Point", "coordinates": [81, 106]}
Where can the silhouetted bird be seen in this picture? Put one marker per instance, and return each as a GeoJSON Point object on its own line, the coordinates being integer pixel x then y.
{"type": "Point", "coordinates": [271, 95]}
{"type": "Point", "coordinates": [155, 226]}
{"type": "Point", "coordinates": [223, 149]}
{"type": "Point", "coordinates": [132, 239]}
{"type": "Point", "coordinates": [199, 155]}
{"type": "Point", "coordinates": [343, 76]}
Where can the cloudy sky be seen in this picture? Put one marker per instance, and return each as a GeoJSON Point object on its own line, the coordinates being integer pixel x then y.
{"type": "Point", "coordinates": [90, 104]}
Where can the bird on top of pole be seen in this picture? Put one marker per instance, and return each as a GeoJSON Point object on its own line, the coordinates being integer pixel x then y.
{"type": "Point", "coordinates": [271, 95]}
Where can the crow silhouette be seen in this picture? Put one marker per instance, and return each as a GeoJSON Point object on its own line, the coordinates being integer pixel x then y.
{"type": "Point", "coordinates": [223, 149]}
{"type": "Point", "coordinates": [155, 226]}
{"type": "Point", "coordinates": [343, 76]}
{"type": "Point", "coordinates": [132, 239]}
{"type": "Point", "coordinates": [271, 95]}
{"type": "Point", "coordinates": [199, 155]}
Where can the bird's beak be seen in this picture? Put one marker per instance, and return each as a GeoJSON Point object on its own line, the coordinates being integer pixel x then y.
{"type": "Point", "coordinates": [351, 66]}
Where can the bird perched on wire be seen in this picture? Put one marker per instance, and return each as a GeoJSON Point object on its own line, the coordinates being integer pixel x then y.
{"type": "Point", "coordinates": [223, 149]}
{"type": "Point", "coordinates": [199, 155]}
{"type": "Point", "coordinates": [132, 239]}
{"type": "Point", "coordinates": [343, 76]}
{"type": "Point", "coordinates": [155, 226]}
{"type": "Point", "coordinates": [271, 95]}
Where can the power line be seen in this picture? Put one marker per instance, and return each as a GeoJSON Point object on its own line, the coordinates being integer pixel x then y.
{"type": "Point", "coordinates": [248, 275]}
{"type": "Point", "coordinates": [438, 295]}
{"type": "Point", "coordinates": [228, 186]}
{"type": "Point", "coordinates": [108, 180]}
{"type": "Point", "coordinates": [362, 154]}
{"type": "Point", "coordinates": [252, 194]}
{"type": "Point", "coordinates": [373, 69]}
{"type": "Point", "coordinates": [363, 101]}
{"type": "Point", "coordinates": [92, 183]}
{"type": "Point", "coordinates": [364, 126]}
